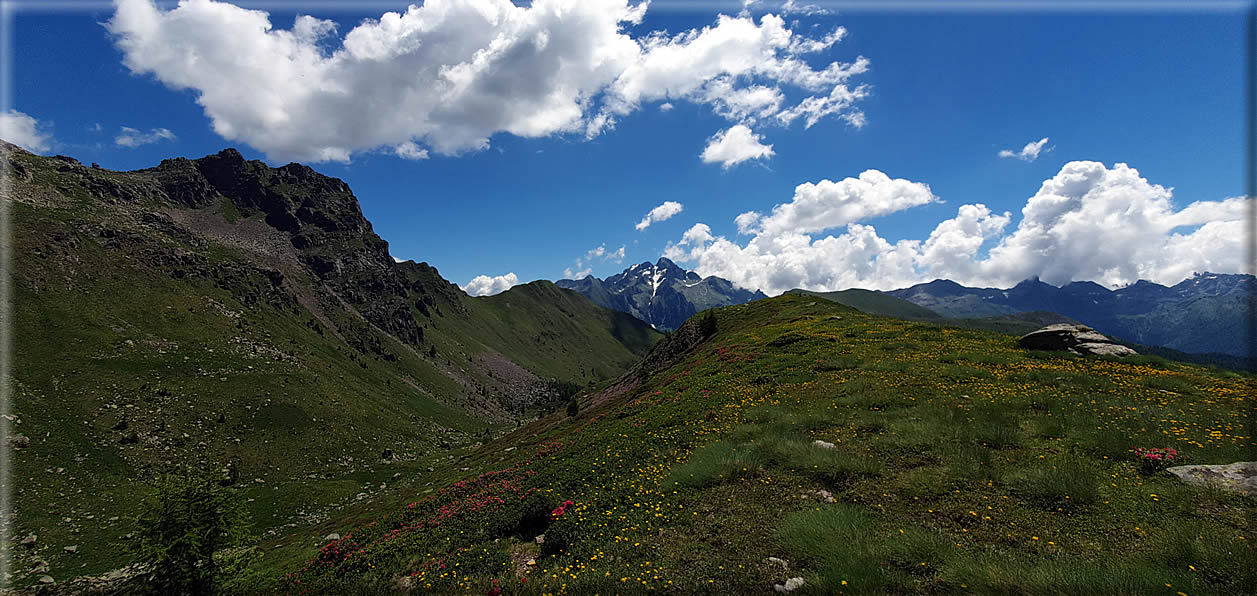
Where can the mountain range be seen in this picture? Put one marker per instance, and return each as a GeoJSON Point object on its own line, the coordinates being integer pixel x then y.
{"type": "Point", "coordinates": [661, 294]}
{"type": "Point", "coordinates": [1205, 313]}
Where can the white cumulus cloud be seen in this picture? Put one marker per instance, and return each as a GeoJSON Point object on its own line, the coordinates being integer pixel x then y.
{"type": "Point", "coordinates": [584, 264]}
{"type": "Point", "coordinates": [1088, 222]}
{"type": "Point", "coordinates": [828, 204]}
{"type": "Point", "coordinates": [617, 255]}
{"type": "Point", "coordinates": [448, 75]}
{"type": "Point", "coordinates": [132, 137]}
{"type": "Point", "coordinates": [1028, 153]}
{"type": "Point", "coordinates": [579, 273]}
{"type": "Point", "coordinates": [24, 131]}
{"type": "Point", "coordinates": [483, 285]}
{"type": "Point", "coordinates": [409, 150]}
{"type": "Point", "coordinates": [734, 146]}
{"type": "Point", "coordinates": [660, 213]}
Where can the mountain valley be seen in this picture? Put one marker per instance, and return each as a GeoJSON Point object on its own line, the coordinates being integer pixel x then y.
{"type": "Point", "coordinates": [386, 432]}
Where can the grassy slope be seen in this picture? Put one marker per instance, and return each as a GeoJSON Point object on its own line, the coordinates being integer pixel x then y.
{"type": "Point", "coordinates": [876, 303]}
{"type": "Point", "coordinates": [960, 463]}
{"type": "Point", "coordinates": [599, 343]}
{"type": "Point", "coordinates": [212, 364]}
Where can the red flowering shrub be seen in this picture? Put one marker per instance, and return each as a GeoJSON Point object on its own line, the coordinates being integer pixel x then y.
{"type": "Point", "coordinates": [1155, 459]}
{"type": "Point", "coordinates": [336, 551]}
{"type": "Point", "coordinates": [561, 509]}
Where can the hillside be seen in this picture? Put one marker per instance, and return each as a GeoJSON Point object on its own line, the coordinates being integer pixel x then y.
{"type": "Point", "coordinates": [951, 461]}
{"type": "Point", "coordinates": [661, 294]}
{"type": "Point", "coordinates": [1206, 313]}
{"type": "Point", "coordinates": [876, 303]}
{"type": "Point", "coordinates": [222, 312]}
{"type": "Point", "coordinates": [1014, 323]}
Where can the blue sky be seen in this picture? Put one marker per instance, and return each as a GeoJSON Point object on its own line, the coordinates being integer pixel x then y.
{"type": "Point", "coordinates": [943, 94]}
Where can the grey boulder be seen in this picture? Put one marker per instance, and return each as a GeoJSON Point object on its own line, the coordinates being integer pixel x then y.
{"type": "Point", "coordinates": [1239, 477]}
{"type": "Point", "coordinates": [1078, 339]}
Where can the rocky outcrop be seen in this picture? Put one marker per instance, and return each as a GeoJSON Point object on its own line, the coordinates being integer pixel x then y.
{"type": "Point", "coordinates": [1239, 477]}
{"type": "Point", "coordinates": [320, 214]}
{"type": "Point", "coordinates": [1078, 339]}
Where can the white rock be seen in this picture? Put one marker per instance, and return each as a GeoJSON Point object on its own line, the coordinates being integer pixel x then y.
{"type": "Point", "coordinates": [791, 585]}
{"type": "Point", "coordinates": [823, 444]}
{"type": "Point", "coordinates": [776, 561]}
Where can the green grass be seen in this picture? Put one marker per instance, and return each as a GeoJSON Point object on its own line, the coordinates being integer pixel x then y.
{"type": "Point", "coordinates": [1057, 484]}
{"type": "Point", "coordinates": [942, 482]}
{"type": "Point", "coordinates": [717, 463]}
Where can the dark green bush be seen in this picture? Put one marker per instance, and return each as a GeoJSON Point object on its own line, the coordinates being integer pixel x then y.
{"type": "Point", "coordinates": [186, 518]}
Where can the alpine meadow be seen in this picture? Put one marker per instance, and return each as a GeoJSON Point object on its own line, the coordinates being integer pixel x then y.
{"type": "Point", "coordinates": [525, 297]}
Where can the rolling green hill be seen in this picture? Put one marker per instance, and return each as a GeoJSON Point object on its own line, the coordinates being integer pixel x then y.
{"type": "Point", "coordinates": [226, 314]}
{"type": "Point", "coordinates": [876, 303]}
{"type": "Point", "coordinates": [949, 461]}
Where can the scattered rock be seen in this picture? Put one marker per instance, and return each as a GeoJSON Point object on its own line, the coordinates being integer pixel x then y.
{"type": "Point", "coordinates": [823, 444]}
{"type": "Point", "coordinates": [71, 549]}
{"type": "Point", "coordinates": [776, 561]}
{"type": "Point", "coordinates": [39, 566]}
{"type": "Point", "coordinates": [1078, 339]}
{"type": "Point", "coordinates": [360, 496]}
{"type": "Point", "coordinates": [791, 585]}
{"type": "Point", "coordinates": [397, 476]}
{"type": "Point", "coordinates": [259, 481]}
{"type": "Point", "coordinates": [29, 541]}
{"type": "Point", "coordinates": [331, 537]}
{"type": "Point", "coordinates": [46, 579]}
{"type": "Point", "coordinates": [1239, 477]}
{"type": "Point", "coordinates": [387, 454]}
{"type": "Point", "coordinates": [19, 441]}
{"type": "Point", "coordinates": [540, 539]}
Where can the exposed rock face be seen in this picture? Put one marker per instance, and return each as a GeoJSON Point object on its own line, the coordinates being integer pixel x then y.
{"type": "Point", "coordinates": [324, 220]}
{"type": "Point", "coordinates": [1239, 477]}
{"type": "Point", "coordinates": [1078, 339]}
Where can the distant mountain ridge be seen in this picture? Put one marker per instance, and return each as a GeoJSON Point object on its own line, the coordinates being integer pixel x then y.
{"type": "Point", "coordinates": [662, 294]}
{"type": "Point", "coordinates": [1205, 313]}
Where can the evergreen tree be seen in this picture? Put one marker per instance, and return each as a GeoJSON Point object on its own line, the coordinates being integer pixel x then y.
{"type": "Point", "coordinates": [707, 325]}
{"type": "Point", "coordinates": [186, 518]}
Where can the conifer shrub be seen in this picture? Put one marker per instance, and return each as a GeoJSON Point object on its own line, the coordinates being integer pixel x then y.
{"type": "Point", "coordinates": [187, 517]}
